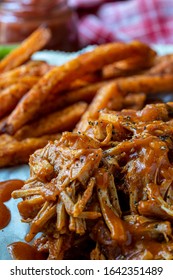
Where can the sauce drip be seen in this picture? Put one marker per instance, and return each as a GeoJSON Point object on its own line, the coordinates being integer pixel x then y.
{"type": "Point", "coordinates": [17, 250]}
{"type": "Point", "coordinates": [6, 188]}
{"type": "Point", "coordinates": [5, 216]}
{"type": "Point", "coordinates": [24, 251]}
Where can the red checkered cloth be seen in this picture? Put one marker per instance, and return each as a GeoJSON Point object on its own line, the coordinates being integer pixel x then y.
{"type": "Point", "coordinates": [150, 21]}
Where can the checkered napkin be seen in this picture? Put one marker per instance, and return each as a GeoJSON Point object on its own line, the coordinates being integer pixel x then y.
{"type": "Point", "coordinates": [150, 21]}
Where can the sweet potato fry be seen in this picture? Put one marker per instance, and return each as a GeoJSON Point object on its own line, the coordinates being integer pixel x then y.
{"type": "Point", "coordinates": [129, 66]}
{"type": "Point", "coordinates": [70, 97]}
{"type": "Point", "coordinates": [87, 80]}
{"type": "Point", "coordinates": [13, 152]}
{"type": "Point", "coordinates": [60, 78]}
{"type": "Point", "coordinates": [113, 71]}
{"type": "Point", "coordinates": [31, 68]}
{"type": "Point", "coordinates": [86, 94]}
{"type": "Point", "coordinates": [103, 99]}
{"type": "Point", "coordinates": [112, 95]}
{"type": "Point", "coordinates": [163, 65]}
{"type": "Point", "coordinates": [58, 121]}
{"type": "Point", "coordinates": [157, 65]}
{"type": "Point", "coordinates": [145, 83]}
{"type": "Point", "coordinates": [10, 96]}
{"type": "Point", "coordinates": [36, 41]}
{"type": "Point", "coordinates": [26, 80]}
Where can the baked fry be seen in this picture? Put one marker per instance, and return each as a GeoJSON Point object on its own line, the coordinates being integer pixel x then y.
{"type": "Point", "coordinates": [103, 99]}
{"type": "Point", "coordinates": [157, 65]}
{"type": "Point", "coordinates": [36, 41]}
{"type": "Point", "coordinates": [70, 97]}
{"type": "Point", "coordinates": [145, 83]}
{"type": "Point", "coordinates": [10, 96]}
{"type": "Point", "coordinates": [26, 80]}
{"type": "Point", "coordinates": [112, 71]}
{"type": "Point", "coordinates": [31, 68]}
{"type": "Point", "coordinates": [13, 152]}
{"type": "Point", "coordinates": [56, 122]}
{"type": "Point", "coordinates": [86, 80]}
{"type": "Point", "coordinates": [112, 95]}
{"type": "Point", "coordinates": [60, 78]}
{"type": "Point", "coordinates": [163, 65]}
{"type": "Point", "coordinates": [129, 66]}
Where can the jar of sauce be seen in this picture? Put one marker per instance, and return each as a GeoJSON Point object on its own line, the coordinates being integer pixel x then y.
{"type": "Point", "coordinates": [18, 19]}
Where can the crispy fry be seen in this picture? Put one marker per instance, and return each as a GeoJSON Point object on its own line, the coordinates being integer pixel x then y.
{"type": "Point", "coordinates": [83, 94]}
{"type": "Point", "coordinates": [120, 88]}
{"type": "Point", "coordinates": [112, 95]}
{"type": "Point", "coordinates": [129, 66]}
{"type": "Point", "coordinates": [36, 41]}
{"type": "Point", "coordinates": [147, 84]}
{"type": "Point", "coordinates": [26, 80]}
{"type": "Point", "coordinates": [56, 122]}
{"type": "Point", "coordinates": [138, 62]}
{"type": "Point", "coordinates": [163, 65]}
{"type": "Point", "coordinates": [10, 96]}
{"type": "Point", "coordinates": [86, 80]}
{"type": "Point", "coordinates": [112, 71]}
{"type": "Point", "coordinates": [70, 97]}
{"type": "Point", "coordinates": [31, 68]}
{"type": "Point", "coordinates": [160, 58]}
{"type": "Point", "coordinates": [102, 100]}
{"type": "Point", "coordinates": [60, 78]}
{"type": "Point", "coordinates": [13, 152]}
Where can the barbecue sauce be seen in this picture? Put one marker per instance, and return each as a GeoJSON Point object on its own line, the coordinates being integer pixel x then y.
{"type": "Point", "coordinates": [17, 250]}
{"type": "Point", "coordinates": [5, 215]}
{"type": "Point", "coordinates": [6, 188]}
{"type": "Point", "coordinates": [24, 251]}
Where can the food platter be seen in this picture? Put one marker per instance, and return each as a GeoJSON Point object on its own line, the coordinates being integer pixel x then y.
{"type": "Point", "coordinates": [16, 230]}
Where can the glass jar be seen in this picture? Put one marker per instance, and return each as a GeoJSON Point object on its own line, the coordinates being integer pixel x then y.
{"type": "Point", "coordinates": [18, 19]}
